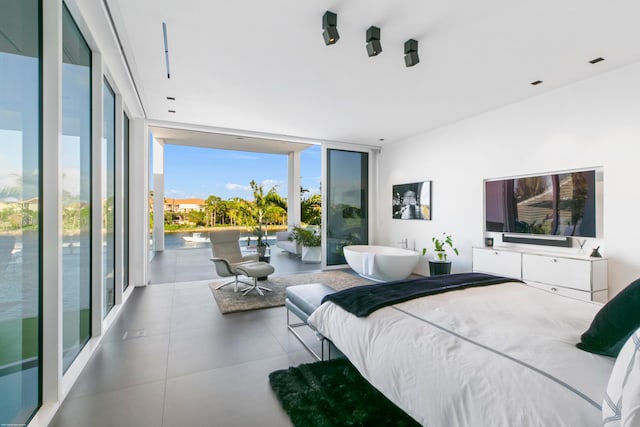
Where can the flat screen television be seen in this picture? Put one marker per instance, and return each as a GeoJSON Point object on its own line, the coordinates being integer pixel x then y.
{"type": "Point", "coordinates": [559, 204]}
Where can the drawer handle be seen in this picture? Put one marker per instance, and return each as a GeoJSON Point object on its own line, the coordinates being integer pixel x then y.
{"type": "Point", "coordinates": [554, 289]}
{"type": "Point", "coordinates": [554, 260]}
{"type": "Point", "coordinates": [495, 252]}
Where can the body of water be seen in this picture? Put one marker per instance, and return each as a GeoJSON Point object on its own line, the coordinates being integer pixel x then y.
{"type": "Point", "coordinates": [177, 241]}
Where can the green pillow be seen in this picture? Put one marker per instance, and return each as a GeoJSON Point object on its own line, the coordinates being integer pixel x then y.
{"type": "Point", "coordinates": [614, 323]}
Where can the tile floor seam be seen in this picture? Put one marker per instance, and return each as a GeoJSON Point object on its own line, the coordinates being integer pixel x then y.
{"type": "Point", "coordinates": [166, 369]}
{"type": "Point", "coordinates": [235, 365]}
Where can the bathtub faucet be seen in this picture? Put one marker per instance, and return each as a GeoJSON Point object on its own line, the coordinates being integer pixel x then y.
{"type": "Point", "coordinates": [404, 243]}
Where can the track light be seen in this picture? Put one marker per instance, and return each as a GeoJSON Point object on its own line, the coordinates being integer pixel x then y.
{"type": "Point", "coordinates": [374, 47]}
{"type": "Point", "coordinates": [329, 25]}
{"type": "Point", "coordinates": [411, 53]}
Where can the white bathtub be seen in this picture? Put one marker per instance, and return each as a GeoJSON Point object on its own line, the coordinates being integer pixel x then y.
{"type": "Point", "coordinates": [381, 263]}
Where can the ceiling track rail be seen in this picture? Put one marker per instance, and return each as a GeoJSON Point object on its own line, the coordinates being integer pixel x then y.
{"type": "Point", "coordinates": [166, 49]}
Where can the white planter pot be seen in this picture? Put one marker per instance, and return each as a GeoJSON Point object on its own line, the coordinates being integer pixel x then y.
{"type": "Point", "coordinates": [311, 253]}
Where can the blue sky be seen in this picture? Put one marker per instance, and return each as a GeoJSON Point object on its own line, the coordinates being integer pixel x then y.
{"type": "Point", "coordinates": [193, 172]}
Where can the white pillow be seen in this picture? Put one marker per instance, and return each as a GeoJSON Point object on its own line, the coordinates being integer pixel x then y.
{"type": "Point", "coordinates": [621, 406]}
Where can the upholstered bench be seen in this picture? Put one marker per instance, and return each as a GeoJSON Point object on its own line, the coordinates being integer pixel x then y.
{"type": "Point", "coordinates": [302, 300]}
{"type": "Point", "coordinates": [255, 270]}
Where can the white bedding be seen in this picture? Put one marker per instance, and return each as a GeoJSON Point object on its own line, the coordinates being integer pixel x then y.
{"type": "Point", "coordinates": [500, 355]}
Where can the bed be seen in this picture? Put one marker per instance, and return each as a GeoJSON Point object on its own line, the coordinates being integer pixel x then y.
{"type": "Point", "coordinates": [498, 355]}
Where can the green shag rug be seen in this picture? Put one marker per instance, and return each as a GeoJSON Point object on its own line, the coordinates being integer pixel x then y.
{"type": "Point", "coordinates": [333, 393]}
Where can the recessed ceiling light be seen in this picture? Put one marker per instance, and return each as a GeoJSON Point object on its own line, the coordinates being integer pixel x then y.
{"type": "Point", "coordinates": [596, 60]}
{"type": "Point", "coordinates": [171, 98]}
{"type": "Point", "coordinates": [537, 82]}
{"type": "Point", "coordinates": [381, 139]}
{"type": "Point", "coordinates": [172, 111]}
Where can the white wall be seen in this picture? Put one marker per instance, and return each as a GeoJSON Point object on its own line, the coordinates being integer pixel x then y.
{"type": "Point", "coordinates": [595, 122]}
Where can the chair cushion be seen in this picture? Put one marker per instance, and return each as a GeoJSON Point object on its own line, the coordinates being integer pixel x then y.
{"type": "Point", "coordinates": [308, 297]}
{"type": "Point", "coordinates": [255, 269]}
{"type": "Point", "coordinates": [226, 244]}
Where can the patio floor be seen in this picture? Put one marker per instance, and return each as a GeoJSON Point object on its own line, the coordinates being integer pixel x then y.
{"type": "Point", "coordinates": [187, 265]}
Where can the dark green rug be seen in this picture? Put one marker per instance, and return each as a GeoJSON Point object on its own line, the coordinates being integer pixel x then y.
{"type": "Point", "coordinates": [333, 393]}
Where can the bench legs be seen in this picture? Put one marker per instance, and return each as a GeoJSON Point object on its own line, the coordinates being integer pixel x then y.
{"type": "Point", "coordinates": [292, 326]}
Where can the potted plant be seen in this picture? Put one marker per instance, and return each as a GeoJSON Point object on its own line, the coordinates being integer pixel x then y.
{"type": "Point", "coordinates": [261, 245]}
{"type": "Point", "coordinates": [439, 247]}
{"type": "Point", "coordinates": [310, 241]}
{"type": "Point", "coordinates": [262, 205]}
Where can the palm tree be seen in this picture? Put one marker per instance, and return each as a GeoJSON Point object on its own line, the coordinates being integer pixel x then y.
{"type": "Point", "coordinates": [264, 205]}
{"type": "Point", "coordinates": [211, 209]}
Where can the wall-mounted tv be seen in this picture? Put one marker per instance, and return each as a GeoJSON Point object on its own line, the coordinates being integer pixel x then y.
{"type": "Point", "coordinates": [558, 204]}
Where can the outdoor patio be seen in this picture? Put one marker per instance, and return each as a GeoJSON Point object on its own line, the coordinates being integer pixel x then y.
{"type": "Point", "coordinates": [187, 265]}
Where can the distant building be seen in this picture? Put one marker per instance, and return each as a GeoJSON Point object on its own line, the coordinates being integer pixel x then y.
{"type": "Point", "coordinates": [182, 207]}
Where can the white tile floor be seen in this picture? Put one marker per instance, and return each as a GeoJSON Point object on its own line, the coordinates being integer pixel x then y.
{"type": "Point", "coordinates": [171, 359]}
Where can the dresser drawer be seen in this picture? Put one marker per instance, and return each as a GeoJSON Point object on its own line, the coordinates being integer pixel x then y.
{"type": "Point", "coordinates": [558, 271]}
{"type": "Point", "coordinates": [501, 263]}
{"type": "Point", "coordinates": [572, 293]}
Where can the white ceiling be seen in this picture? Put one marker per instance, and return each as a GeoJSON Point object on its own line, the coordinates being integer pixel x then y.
{"type": "Point", "coordinates": [261, 66]}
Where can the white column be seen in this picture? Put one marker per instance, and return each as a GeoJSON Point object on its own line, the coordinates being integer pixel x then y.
{"type": "Point", "coordinates": [139, 203]}
{"type": "Point", "coordinates": [158, 195]}
{"type": "Point", "coordinates": [97, 146]}
{"type": "Point", "coordinates": [51, 202]}
{"type": "Point", "coordinates": [293, 196]}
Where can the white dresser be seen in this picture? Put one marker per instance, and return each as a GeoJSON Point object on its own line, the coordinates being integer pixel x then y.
{"type": "Point", "coordinates": [571, 275]}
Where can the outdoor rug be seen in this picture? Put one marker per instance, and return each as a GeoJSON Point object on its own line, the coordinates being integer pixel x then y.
{"type": "Point", "coordinates": [230, 302]}
{"type": "Point", "coordinates": [333, 393]}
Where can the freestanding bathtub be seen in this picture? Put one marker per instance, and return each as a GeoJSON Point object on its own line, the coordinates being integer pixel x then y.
{"type": "Point", "coordinates": [381, 263]}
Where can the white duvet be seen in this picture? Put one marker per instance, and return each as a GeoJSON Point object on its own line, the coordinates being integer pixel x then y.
{"type": "Point", "coordinates": [500, 355]}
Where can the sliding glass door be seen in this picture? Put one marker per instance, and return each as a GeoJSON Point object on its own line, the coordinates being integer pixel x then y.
{"type": "Point", "coordinates": [108, 197]}
{"type": "Point", "coordinates": [20, 207]}
{"type": "Point", "coordinates": [347, 207]}
{"type": "Point", "coordinates": [125, 201]}
{"type": "Point", "coordinates": [76, 190]}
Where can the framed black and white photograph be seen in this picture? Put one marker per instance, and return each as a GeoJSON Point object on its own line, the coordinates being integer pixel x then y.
{"type": "Point", "coordinates": [412, 201]}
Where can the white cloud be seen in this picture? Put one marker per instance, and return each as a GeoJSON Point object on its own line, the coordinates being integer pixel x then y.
{"type": "Point", "coordinates": [268, 183]}
{"type": "Point", "coordinates": [71, 181]}
{"type": "Point", "coordinates": [237, 187]}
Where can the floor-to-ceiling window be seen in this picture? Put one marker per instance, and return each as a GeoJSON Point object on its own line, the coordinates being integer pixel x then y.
{"type": "Point", "coordinates": [76, 189]}
{"type": "Point", "coordinates": [347, 202]}
{"type": "Point", "coordinates": [108, 197]}
{"type": "Point", "coordinates": [125, 200]}
{"type": "Point", "coordinates": [20, 259]}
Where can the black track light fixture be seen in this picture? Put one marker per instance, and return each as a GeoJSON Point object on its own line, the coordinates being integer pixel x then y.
{"type": "Point", "coordinates": [411, 53]}
{"type": "Point", "coordinates": [374, 47]}
{"type": "Point", "coordinates": [329, 25]}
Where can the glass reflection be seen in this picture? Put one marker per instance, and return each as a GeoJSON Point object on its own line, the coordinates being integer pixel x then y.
{"type": "Point", "coordinates": [347, 202]}
{"type": "Point", "coordinates": [19, 210]}
{"type": "Point", "coordinates": [108, 197]}
{"type": "Point", "coordinates": [76, 190]}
